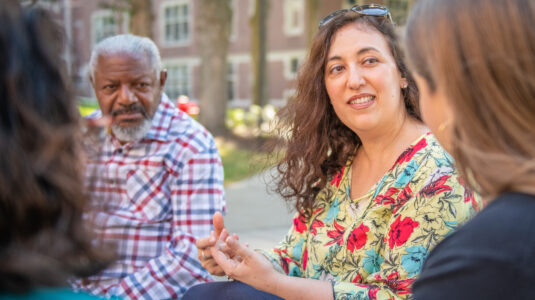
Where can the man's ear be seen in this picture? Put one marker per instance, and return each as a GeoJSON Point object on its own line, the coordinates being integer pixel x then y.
{"type": "Point", "coordinates": [163, 77]}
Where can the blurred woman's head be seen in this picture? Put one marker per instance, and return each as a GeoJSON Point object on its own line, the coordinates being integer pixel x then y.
{"type": "Point", "coordinates": [475, 65]}
{"type": "Point", "coordinates": [322, 130]}
{"type": "Point", "coordinates": [42, 240]}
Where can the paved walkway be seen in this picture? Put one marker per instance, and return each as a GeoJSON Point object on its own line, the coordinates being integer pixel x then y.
{"type": "Point", "coordinates": [259, 217]}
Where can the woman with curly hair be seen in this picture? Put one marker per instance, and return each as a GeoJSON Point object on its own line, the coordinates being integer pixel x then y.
{"type": "Point", "coordinates": [373, 189]}
{"type": "Point", "coordinates": [43, 242]}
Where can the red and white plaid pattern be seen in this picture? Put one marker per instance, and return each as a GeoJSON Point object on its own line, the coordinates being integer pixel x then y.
{"type": "Point", "coordinates": [152, 198]}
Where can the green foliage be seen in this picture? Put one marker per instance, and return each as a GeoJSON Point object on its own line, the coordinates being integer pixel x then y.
{"type": "Point", "coordinates": [239, 163]}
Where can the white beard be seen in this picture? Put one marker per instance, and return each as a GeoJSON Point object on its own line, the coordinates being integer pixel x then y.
{"type": "Point", "coordinates": [131, 133]}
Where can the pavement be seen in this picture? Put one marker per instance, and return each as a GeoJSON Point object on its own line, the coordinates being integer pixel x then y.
{"type": "Point", "coordinates": [260, 218]}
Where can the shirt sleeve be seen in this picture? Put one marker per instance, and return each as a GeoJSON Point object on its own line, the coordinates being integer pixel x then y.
{"type": "Point", "coordinates": [432, 214]}
{"type": "Point", "coordinates": [288, 256]}
{"type": "Point", "coordinates": [196, 189]}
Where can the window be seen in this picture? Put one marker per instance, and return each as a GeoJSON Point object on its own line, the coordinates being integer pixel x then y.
{"type": "Point", "coordinates": [178, 81]}
{"type": "Point", "coordinates": [234, 20]}
{"type": "Point", "coordinates": [176, 22]}
{"type": "Point", "coordinates": [104, 25]}
{"type": "Point", "coordinates": [231, 81]}
{"type": "Point", "coordinates": [291, 66]}
{"type": "Point", "coordinates": [293, 17]}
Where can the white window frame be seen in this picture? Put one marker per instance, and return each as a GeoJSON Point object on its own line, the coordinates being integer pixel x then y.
{"type": "Point", "coordinates": [288, 73]}
{"type": "Point", "coordinates": [292, 9]}
{"type": "Point", "coordinates": [179, 43]}
{"type": "Point", "coordinates": [169, 64]}
{"type": "Point", "coordinates": [108, 13]}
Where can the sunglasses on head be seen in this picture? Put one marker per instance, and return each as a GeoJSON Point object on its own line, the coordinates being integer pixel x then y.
{"type": "Point", "coordinates": [372, 10]}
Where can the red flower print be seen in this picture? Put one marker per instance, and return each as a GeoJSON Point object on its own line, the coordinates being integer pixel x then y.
{"type": "Point", "coordinates": [402, 287]}
{"type": "Point", "coordinates": [338, 177]}
{"type": "Point", "coordinates": [403, 197]}
{"type": "Point", "coordinates": [400, 231]}
{"type": "Point", "coordinates": [336, 235]}
{"type": "Point", "coordinates": [372, 293]}
{"type": "Point", "coordinates": [305, 259]}
{"type": "Point", "coordinates": [469, 195]}
{"type": "Point", "coordinates": [357, 279]}
{"type": "Point", "coordinates": [316, 224]}
{"type": "Point", "coordinates": [299, 224]}
{"type": "Point", "coordinates": [357, 238]}
{"type": "Point", "coordinates": [387, 197]}
{"type": "Point", "coordinates": [285, 259]}
{"type": "Point", "coordinates": [436, 187]}
{"type": "Point", "coordinates": [407, 155]}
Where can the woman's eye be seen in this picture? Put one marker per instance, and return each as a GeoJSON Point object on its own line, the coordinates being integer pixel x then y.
{"type": "Point", "coordinates": [370, 60]}
{"type": "Point", "coordinates": [336, 69]}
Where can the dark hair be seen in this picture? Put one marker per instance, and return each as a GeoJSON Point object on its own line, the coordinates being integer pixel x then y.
{"type": "Point", "coordinates": [485, 64]}
{"type": "Point", "coordinates": [318, 144]}
{"type": "Point", "coordinates": [43, 241]}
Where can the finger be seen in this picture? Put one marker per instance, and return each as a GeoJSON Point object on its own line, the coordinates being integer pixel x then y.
{"type": "Point", "coordinates": [204, 242]}
{"type": "Point", "coordinates": [239, 248]}
{"type": "Point", "coordinates": [219, 224]}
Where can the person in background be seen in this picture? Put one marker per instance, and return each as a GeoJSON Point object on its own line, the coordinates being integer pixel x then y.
{"type": "Point", "coordinates": [373, 189]}
{"type": "Point", "coordinates": [155, 180]}
{"type": "Point", "coordinates": [475, 67]}
{"type": "Point", "coordinates": [43, 239]}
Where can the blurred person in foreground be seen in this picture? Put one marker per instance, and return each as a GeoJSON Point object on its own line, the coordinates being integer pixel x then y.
{"type": "Point", "coordinates": [373, 189]}
{"type": "Point", "coordinates": [43, 242]}
{"type": "Point", "coordinates": [475, 67]}
{"type": "Point", "coordinates": [155, 180]}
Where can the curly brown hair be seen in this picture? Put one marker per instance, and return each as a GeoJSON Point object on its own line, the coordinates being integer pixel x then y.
{"type": "Point", "coordinates": [43, 241]}
{"type": "Point", "coordinates": [318, 144]}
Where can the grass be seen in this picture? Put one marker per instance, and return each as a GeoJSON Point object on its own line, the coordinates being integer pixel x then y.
{"type": "Point", "coordinates": [239, 163]}
{"type": "Point", "coordinates": [85, 108]}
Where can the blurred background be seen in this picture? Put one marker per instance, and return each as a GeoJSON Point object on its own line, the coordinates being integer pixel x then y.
{"type": "Point", "coordinates": [231, 64]}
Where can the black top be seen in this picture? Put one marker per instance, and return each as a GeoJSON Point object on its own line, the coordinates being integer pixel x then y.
{"type": "Point", "coordinates": [490, 257]}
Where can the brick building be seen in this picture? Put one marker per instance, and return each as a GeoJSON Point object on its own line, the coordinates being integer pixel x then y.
{"type": "Point", "coordinates": [88, 21]}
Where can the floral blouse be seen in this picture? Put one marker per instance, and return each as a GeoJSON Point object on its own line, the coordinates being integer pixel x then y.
{"type": "Point", "coordinates": [376, 252]}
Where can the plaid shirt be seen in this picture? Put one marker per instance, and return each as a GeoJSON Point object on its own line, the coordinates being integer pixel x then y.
{"type": "Point", "coordinates": [152, 198]}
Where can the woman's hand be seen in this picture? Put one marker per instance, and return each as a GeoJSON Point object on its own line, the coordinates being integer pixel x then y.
{"type": "Point", "coordinates": [205, 244]}
{"type": "Point", "coordinates": [246, 265]}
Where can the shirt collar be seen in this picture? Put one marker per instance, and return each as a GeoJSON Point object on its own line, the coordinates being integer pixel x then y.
{"type": "Point", "coordinates": [161, 121]}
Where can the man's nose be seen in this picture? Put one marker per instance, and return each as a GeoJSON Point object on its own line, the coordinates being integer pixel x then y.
{"type": "Point", "coordinates": [126, 95]}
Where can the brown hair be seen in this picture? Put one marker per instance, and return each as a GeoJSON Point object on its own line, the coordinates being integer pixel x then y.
{"type": "Point", "coordinates": [42, 239]}
{"type": "Point", "coordinates": [482, 55]}
{"type": "Point", "coordinates": [318, 144]}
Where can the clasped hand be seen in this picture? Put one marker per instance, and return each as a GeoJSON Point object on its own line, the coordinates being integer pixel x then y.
{"type": "Point", "coordinates": [223, 254]}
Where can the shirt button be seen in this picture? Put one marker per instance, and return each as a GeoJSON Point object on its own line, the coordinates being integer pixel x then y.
{"type": "Point", "coordinates": [120, 151]}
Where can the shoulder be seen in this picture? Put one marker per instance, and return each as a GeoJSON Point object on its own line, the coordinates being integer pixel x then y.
{"type": "Point", "coordinates": [187, 132]}
{"type": "Point", "coordinates": [503, 231]}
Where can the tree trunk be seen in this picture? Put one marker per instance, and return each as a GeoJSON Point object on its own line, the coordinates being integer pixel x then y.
{"type": "Point", "coordinates": [259, 52]}
{"type": "Point", "coordinates": [141, 18]}
{"type": "Point", "coordinates": [212, 36]}
{"type": "Point", "coordinates": [312, 20]}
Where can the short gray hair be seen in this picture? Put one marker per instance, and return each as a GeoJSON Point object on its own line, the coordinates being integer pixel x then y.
{"type": "Point", "coordinates": [129, 44]}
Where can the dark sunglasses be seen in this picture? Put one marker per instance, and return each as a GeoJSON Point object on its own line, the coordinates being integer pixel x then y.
{"type": "Point", "coordinates": [373, 10]}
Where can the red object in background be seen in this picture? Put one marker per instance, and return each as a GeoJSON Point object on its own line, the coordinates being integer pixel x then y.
{"type": "Point", "coordinates": [189, 107]}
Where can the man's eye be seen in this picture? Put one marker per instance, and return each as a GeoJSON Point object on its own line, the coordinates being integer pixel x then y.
{"type": "Point", "coordinates": [109, 86]}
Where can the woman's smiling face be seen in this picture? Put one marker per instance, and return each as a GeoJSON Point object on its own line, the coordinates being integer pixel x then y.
{"type": "Point", "coordinates": [362, 79]}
